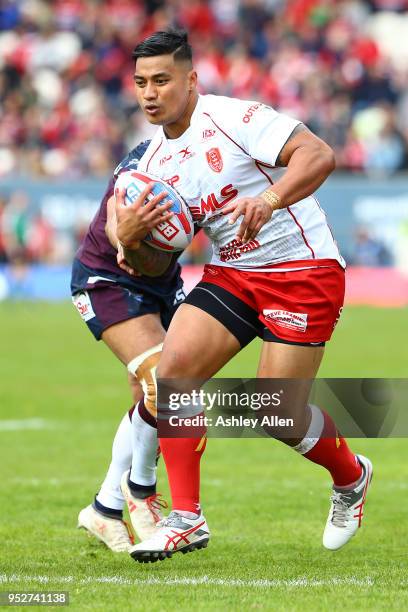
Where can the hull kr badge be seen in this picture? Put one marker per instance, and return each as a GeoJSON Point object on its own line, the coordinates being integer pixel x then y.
{"type": "Point", "coordinates": [214, 159]}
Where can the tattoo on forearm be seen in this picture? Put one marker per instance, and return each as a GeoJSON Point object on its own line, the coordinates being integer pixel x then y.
{"type": "Point", "coordinates": [147, 260]}
{"type": "Point", "coordinates": [299, 128]}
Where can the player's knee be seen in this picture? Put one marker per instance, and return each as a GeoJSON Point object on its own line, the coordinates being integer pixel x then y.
{"type": "Point", "coordinates": [175, 365]}
{"type": "Point", "coordinates": [143, 367]}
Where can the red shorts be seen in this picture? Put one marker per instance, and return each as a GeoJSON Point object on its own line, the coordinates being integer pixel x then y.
{"type": "Point", "coordinates": [299, 306]}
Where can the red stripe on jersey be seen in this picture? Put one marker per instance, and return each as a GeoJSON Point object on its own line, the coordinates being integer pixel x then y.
{"type": "Point", "coordinates": [301, 231]}
{"type": "Point", "coordinates": [327, 223]}
{"type": "Point", "coordinates": [261, 163]}
{"type": "Point", "coordinates": [153, 154]}
{"type": "Point", "coordinates": [225, 134]}
{"type": "Point", "coordinates": [258, 165]}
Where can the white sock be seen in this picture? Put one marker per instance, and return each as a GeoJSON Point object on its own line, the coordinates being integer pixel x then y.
{"type": "Point", "coordinates": [110, 494]}
{"type": "Point", "coordinates": [144, 445]}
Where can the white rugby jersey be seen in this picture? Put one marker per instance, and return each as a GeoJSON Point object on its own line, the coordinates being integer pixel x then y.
{"type": "Point", "coordinates": [229, 152]}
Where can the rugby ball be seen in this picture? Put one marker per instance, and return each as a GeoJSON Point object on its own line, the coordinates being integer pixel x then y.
{"type": "Point", "coordinates": [172, 235]}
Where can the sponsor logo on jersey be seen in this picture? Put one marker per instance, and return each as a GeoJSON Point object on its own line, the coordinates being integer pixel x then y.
{"type": "Point", "coordinates": [250, 111]}
{"type": "Point", "coordinates": [213, 202]}
{"type": "Point", "coordinates": [207, 134]}
{"type": "Point", "coordinates": [290, 320]}
{"type": "Point", "coordinates": [214, 159]}
{"type": "Point", "coordinates": [234, 249]}
{"type": "Point", "coordinates": [165, 159]}
{"type": "Point", "coordinates": [185, 153]}
{"type": "Point", "coordinates": [83, 304]}
{"type": "Point", "coordinates": [179, 297]}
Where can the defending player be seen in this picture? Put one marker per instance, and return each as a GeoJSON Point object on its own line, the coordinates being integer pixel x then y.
{"type": "Point", "coordinates": [248, 175]}
{"type": "Point", "coordinates": [130, 314]}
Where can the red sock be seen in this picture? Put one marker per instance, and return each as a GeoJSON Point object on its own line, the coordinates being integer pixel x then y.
{"type": "Point", "coordinates": [182, 457]}
{"type": "Point", "coordinates": [332, 452]}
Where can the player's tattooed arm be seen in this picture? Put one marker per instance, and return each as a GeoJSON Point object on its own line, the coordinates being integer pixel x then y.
{"type": "Point", "coordinates": [147, 260]}
{"type": "Point", "coordinates": [126, 226]}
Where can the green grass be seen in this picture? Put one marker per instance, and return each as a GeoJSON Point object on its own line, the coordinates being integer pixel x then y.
{"type": "Point", "coordinates": [266, 505]}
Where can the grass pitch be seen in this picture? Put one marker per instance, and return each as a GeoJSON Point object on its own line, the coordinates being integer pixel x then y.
{"type": "Point", "coordinates": [61, 398]}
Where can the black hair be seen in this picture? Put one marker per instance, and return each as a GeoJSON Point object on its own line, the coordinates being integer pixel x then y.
{"type": "Point", "coordinates": [166, 42]}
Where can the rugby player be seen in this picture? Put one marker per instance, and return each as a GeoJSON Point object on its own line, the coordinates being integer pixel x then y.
{"type": "Point", "coordinates": [248, 174]}
{"type": "Point", "coordinates": [129, 313]}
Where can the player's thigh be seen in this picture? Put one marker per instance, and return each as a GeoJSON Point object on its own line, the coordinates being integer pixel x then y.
{"type": "Point", "coordinates": [197, 345]}
{"type": "Point", "coordinates": [132, 337]}
{"type": "Point", "coordinates": [280, 360]}
{"type": "Point", "coordinates": [125, 317]}
{"type": "Point", "coordinates": [129, 319]}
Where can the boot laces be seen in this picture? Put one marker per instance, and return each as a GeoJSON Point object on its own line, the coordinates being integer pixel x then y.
{"type": "Point", "coordinates": [171, 520]}
{"type": "Point", "coordinates": [341, 506]}
{"type": "Point", "coordinates": [155, 503]}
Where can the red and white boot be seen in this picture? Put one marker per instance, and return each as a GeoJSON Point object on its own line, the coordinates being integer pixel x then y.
{"type": "Point", "coordinates": [346, 511]}
{"type": "Point", "coordinates": [175, 533]}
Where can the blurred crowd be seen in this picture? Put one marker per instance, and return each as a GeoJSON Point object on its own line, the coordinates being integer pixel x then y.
{"type": "Point", "coordinates": [67, 105]}
{"type": "Point", "coordinates": [28, 236]}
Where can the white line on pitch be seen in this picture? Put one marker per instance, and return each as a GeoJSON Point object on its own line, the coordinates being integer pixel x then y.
{"type": "Point", "coordinates": [20, 424]}
{"type": "Point", "coordinates": [45, 482]}
{"type": "Point", "coordinates": [300, 582]}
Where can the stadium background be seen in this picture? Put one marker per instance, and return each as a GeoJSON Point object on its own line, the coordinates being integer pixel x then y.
{"type": "Point", "coordinates": [67, 116]}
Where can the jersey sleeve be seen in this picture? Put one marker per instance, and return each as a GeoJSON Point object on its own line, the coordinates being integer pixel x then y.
{"type": "Point", "coordinates": [131, 161]}
{"type": "Point", "coordinates": [110, 190]}
{"type": "Point", "coordinates": [258, 129]}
